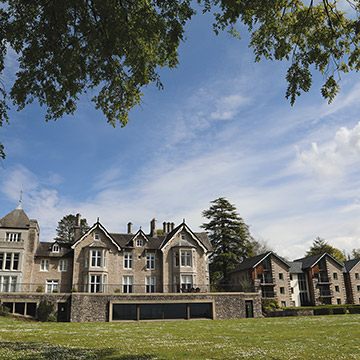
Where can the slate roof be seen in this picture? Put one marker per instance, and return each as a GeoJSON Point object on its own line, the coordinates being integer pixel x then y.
{"type": "Point", "coordinates": [44, 250]}
{"type": "Point", "coordinates": [348, 265]}
{"type": "Point", "coordinates": [308, 262]}
{"type": "Point", "coordinates": [16, 219]}
{"type": "Point", "coordinates": [123, 240]}
{"type": "Point", "coordinates": [295, 267]}
{"type": "Point", "coordinates": [250, 263]}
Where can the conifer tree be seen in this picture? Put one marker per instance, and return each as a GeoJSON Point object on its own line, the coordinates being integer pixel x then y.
{"type": "Point", "coordinates": [230, 238]}
{"type": "Point", "coordinates": [65, 230]}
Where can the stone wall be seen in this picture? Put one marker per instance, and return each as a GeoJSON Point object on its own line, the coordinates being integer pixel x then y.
{"type": "Point", "coordinates": [95, 307]}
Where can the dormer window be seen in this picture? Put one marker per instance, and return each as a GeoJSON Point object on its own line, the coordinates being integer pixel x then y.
{"type": "Point", "coordinates": [183, 237]}
{"type": "Point", "coordinates": [139, 242]}
{"type": "Point", "coordinates": [55, 248]}
{"type": "Point", "coordinates": [96, 236]}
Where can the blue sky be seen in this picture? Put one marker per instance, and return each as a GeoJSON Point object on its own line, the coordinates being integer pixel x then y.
{"type": "Point", "coordinates": [221, 127]}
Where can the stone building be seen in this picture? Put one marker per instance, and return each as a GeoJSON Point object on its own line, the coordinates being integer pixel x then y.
{"type": "Point", "coordinates": [100, 262]}
{"type": "Point", "coordinates": [352, 280]}
{"type": "Point", "coordinates": [267, 272]}
{"type": "Point", "coordinates": [105, 276]}
{"type": "Point", "coordinates": [324, 279]}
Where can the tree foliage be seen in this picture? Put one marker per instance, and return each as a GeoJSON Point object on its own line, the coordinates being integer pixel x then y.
{"type": "Point", "coordinates": [320, 246]}
{"type": "Point", "coordinates": [65, 230]}
{"type": "Point", "coordinates": [115, 47]}
{"type": "Point", "coordinates": [230, 238]}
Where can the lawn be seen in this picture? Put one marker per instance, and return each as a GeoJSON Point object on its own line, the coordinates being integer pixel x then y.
{"type": "Point", "coordinates": [318, 337]}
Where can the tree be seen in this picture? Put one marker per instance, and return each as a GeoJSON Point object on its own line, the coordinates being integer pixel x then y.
{"type": "Point", "coordinates": [260, 246]}
{"type": "Point", "coordinates": [65, 230]}
{"type": "Point", "coordinates": [115, 47]}
{"type": "Point", "coordinates": [320, 246]}
{"type": "Point", "coordinates": [230, 238]}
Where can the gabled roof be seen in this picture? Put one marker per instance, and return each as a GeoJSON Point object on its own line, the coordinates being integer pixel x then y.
{"type": "Point", "coordinates": [311, 261]}
{"type": "Point", "coordinates": [201, 238]}
{"type": "Point", "coordinates": [254, 261]}
{"type": "Point", "coordinates": [139, 232]}
{"type": "Point", "coordinates": [123, 240]}
{"type": "Point", "coordinates": [350, 264]}
{"type": "Point", "coordinates": [97, 225]}
{"type": "Point", "coordinates": [15, 219]}
{"type": "Point", "coordinates": [44, 250]}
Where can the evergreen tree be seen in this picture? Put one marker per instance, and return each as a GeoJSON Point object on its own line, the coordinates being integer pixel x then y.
{"type": "Point", "coordinates": [320, 246]}
{"type": "Point", "coordinates": [230, 238]}
{"type": "Point", "coordinates": [65, 230]}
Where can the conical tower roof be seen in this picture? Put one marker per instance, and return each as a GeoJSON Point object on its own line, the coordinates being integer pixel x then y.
{"type": "Point", "coordinates": [16, 219]}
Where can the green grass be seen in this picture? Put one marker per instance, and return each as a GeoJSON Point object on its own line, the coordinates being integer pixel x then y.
{"type": "Point", "coordinates": [318, 337]}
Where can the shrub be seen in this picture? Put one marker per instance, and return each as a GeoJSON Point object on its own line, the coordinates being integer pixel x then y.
{"type": "Point", "coordinates": [52, 318]}
{"type": "Point", "coordinates": [40, 288]}
{"type": "Point", "coordinates": [339, 310]}
{"type": "Point", "coordinates": [117, 291]}
{"type": "Point", "coordinates": [44, 310]}
{"type": "Point", "coordinates": [4, 311]}
{"type": "Point", "coordinates": [73, 289]}
{"type": "Point", "coordinates": [269, 305]}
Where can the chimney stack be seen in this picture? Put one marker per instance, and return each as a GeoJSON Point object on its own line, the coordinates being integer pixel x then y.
{"type": "Point", "coordinates": [78, 227]}
{"type": "Point", "coordinates": [164, 228]}
{"type": "Point", "coordinates": [130, 228]}
{"type": "Point", "coordinates": [153, 229]}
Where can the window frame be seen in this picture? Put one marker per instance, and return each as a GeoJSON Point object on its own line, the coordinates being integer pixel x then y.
{"type": "Point", "coordinates": [128, 260]}
{"type": "Point", "coordinates": [51, 285]}
{"type": "Point", "coordinates": [150, 261]}
{"type": "Point", "coordinates": [62, 266]}
{"type": "Point", "coordinates": [150, 284]}
{"type": "Point", "coordinates": [128, 283]}
{"type": "Point", "coordinates": [44, 265]}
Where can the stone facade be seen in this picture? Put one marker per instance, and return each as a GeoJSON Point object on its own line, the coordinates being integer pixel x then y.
{"type": "Point", "coordinates": [84, 307]}
{"type": "Point", "coordinates": [172, 260]}
{"type": "Point", "coordinates": [267, 273]}
{"type": "Point", "coordinates": [352, 280]}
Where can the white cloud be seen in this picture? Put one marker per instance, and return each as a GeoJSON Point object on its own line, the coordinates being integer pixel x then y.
{"type": "Point", "coordinates": [335, 158]}
{"type": "Point", "coordinates": [229, 106]}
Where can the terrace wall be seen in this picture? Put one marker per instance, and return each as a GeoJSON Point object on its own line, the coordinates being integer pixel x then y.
{"type": "Point", "coordinates": [85, 307]}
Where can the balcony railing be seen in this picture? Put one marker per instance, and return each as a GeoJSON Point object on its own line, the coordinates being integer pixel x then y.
{"type": "Point", "coordinates": [326, 293]}
{"type": "Point", "coordinates": [323, 280]}
{"type": "Point", "coordinates": [268, 294]}
{"type": "Point", "coordinates": [267, 281]}
{"type": "Point", "coordinates": [7, 287]}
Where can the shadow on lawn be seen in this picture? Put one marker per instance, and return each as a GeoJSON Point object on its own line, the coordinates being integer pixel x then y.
{"type": "Point", "coordinates": [35, 351]}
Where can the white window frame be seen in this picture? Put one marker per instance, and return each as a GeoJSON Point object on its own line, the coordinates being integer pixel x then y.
{"type": "Point", "coordinates": [186, 258]}
{"type": "Point", "coordinates": [96, 236]}
{"type": "Point", "coordinates": [55, 248]}
{"type": "Point", "coordinates": [62, 265]}
{"type": "Point", "coordinates": [95, 283]}
{"type": "Point", "coordinates": [186, 282]}
{"type": "Point", "coordinates": [150, 283]}
{"type": "Point", "coordinates": [150, 261]}
{"type": "Point", "coordinates": [52, 285]}
{"type": "Point", "coordinates": [13, 237]}
{"type": "Point", "coordinates": [128, 283]}
{"type": "Point", "coordinates": [128, 260]}
{"type": "Point", "coordinates": [44, 264]}
{"type": "Point", "coordinates": [139, 242]}
{"type": "Point", "coordinates": [96, 258]}
{"type": "Point", "coordinates": [8, 261]}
